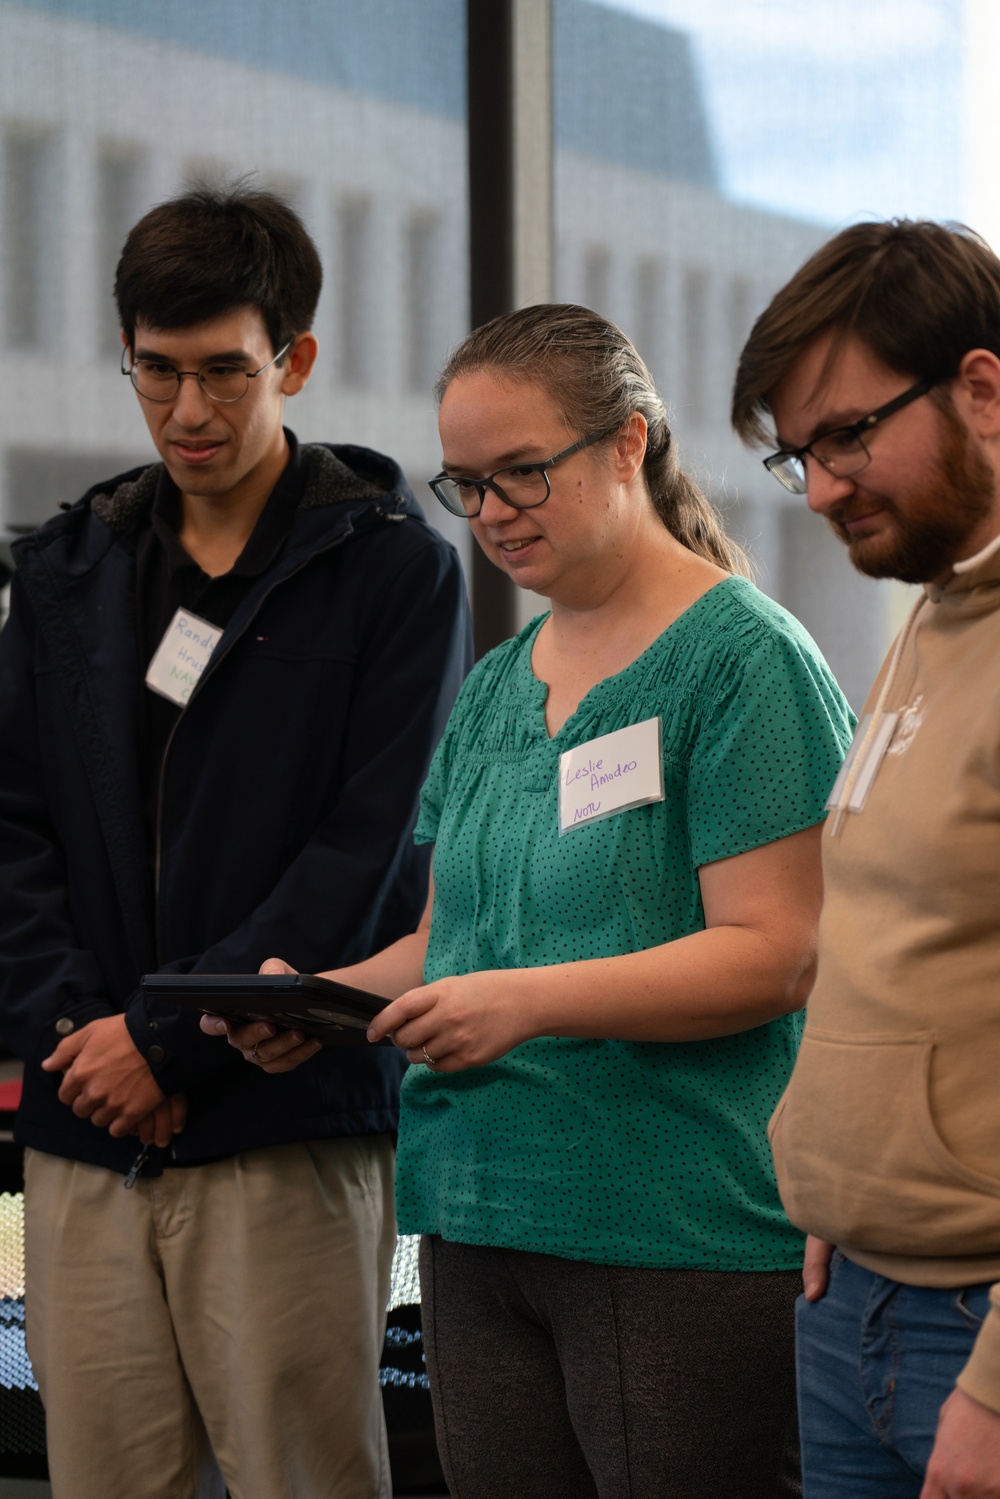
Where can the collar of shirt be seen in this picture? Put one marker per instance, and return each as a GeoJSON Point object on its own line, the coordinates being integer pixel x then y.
{"type": "Point", "coordinates": [268, 535]}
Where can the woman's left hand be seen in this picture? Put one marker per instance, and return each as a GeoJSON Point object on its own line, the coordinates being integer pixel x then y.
{"type": "Point", "coordinates": [458, 1022]}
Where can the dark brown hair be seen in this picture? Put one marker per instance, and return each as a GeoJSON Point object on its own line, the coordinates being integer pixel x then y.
{"type": "Point", "coordinates": [920, 295]}
{"type": "Point", "coordinates": [214, 249]}
{"type": "Point", "coordinates": [598, 380]}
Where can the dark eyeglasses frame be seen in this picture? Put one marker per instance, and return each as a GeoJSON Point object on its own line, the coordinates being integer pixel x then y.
{"type": "Point", "coordinates": [856, 430]}
{"type": "Point", "coordinates": [199, 376]}
{"type": "Point", "coordinates": [489, 480]}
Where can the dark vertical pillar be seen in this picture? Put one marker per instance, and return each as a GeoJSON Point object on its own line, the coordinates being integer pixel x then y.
{"type": "Point", "coordinates": [490, 66]}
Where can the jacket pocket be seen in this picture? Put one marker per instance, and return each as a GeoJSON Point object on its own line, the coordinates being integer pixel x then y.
{"type": "Point", "coordinates": [860, 1160]}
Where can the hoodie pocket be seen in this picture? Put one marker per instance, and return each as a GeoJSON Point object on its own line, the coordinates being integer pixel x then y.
{"type": "Point", "coordinates": [860, 1160]}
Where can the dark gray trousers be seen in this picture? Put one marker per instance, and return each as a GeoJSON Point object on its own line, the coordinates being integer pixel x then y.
{"type": "Point", "coordinates": [559, 1379]}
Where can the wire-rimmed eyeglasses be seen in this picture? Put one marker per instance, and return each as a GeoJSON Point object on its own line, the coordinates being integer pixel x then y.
{"type": "Point", "coordinates": [842, 452]}
{"type": "Point", "coordinates": [524, 484]}
{"type": "Point", "coordinates": [220, 379]}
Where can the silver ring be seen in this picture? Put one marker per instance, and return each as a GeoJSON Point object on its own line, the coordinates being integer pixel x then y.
{"type": "Point", "coordinates": [255, 1056]}
{"type": "Point", "coordinates": [427, 1057]}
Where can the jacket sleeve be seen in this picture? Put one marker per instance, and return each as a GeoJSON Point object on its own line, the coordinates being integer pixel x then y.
{"type": "Point", "coordinates": [351, 888]}
{"type": "Point", "coordinates": [46, 976]}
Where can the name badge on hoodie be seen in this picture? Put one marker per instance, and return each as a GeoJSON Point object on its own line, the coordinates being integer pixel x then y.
{"type": "Point", "coordinates": [182, 656]}
{"type": "Point", "coordinates": [871, 744]}
{"type": "Point", "coordinates": [611, 774]}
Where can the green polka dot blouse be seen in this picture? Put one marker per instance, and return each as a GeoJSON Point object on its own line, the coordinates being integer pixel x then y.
{"type": "Point", "coordinates": [617, 1152]}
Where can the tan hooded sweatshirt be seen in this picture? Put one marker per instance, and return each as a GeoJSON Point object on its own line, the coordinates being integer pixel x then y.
{"type": "Point", "coordinates": [887, 1140]}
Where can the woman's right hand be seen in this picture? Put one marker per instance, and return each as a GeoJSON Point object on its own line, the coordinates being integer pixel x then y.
{"type": "Point", "coordinates": [260, 1042]}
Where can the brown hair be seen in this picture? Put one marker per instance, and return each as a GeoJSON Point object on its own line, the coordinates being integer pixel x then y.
{"type": "Point", "coordinates": [214, 249]}
{"type": "Point", "coordinates": [920, 295]}
{"type": "Point", "coordinates": [598, 379]}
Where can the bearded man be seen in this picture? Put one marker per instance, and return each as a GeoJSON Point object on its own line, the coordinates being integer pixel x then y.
{"type": "Point", "coordinates": [877, 370]}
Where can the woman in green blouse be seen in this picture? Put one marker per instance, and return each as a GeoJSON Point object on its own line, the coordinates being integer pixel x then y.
{"type": "Point", "coordinates": [600, 1003]}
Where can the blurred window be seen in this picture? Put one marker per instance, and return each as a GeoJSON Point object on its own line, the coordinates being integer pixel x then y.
{"type": "Point", "coordinates": [692, 395]}
{"type": "Point", "coordinates": [423, 288]}
{"type": "Point", "coordinates": [348, 110]}
{"type": "Point", "coordinates": [353, 331]}
{"type": "Point", "coordinates": [30, 214]}
{"type": "Point", "coordinates": [740, 315]}
{"type": "Point", "coordinates": [650, 312]}
{"type": "Point", "coordinates": [722, 144]}
{"type": "Point", "coordinates": [597, 279]}
{"type": "Point", "coordinates": [120, 201]}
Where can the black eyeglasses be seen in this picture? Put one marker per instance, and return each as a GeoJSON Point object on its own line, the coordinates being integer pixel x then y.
{"type": "Point", "coordinates": [158, 380]}
{"type": "Point", "coordinates": [842, 451]}
{"type": "Point", "coordinates": [524, 485]}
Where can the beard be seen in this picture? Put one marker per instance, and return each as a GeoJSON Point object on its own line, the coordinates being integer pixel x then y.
{"type": "Point", "coordinates": [933, 526]}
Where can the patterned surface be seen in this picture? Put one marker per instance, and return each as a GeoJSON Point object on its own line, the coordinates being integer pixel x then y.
{"type": "Point", "coordinates": [22, 1422]}
{"type": "Point", "coordinates": [404, 1288]}
{"type": "Point", "coordinates": [15, 1370]}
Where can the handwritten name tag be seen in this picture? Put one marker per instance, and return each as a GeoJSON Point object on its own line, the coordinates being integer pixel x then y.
{"type": "Point", "coordinates": [182, 656]}
{"type": "Point", "coordinates": [611, 774]}
{"type": "Point", "coordinates": [864, 777]}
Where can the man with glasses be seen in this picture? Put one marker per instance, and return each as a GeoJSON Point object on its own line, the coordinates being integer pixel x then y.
{"type": "Point", "coordinates": [220, 686]}
{"type": "Point", "coordinates": [877, 369]}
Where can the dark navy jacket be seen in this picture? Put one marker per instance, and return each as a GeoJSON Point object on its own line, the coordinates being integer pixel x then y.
{"type": "Point", "coordinates": [288, 798]}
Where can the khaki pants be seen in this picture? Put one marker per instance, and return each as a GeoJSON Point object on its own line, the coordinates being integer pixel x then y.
{"type": "Point", "coordinates": [221, 1317]}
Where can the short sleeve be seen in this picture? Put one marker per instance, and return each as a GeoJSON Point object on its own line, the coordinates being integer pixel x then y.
{"type": "Point", "coordinates": [767, 749]}
{"type": "Point", "coordinates": [434, 790]}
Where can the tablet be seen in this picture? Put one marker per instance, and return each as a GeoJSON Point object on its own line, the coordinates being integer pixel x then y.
{"type": "Point", "coordinates": [332, 1013]}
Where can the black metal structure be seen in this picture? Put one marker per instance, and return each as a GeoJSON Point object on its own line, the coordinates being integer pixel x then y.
{"type": "Point", "coordinates": [490, 74]}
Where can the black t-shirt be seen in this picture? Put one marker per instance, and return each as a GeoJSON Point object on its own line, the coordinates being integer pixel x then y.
{"type": "Point", "coordinates": [168, 579]}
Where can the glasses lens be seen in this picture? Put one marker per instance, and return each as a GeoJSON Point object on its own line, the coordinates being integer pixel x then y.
{"type": "Point", "coordinates": [522, 487]}
{"type": "Point", "coordinates": [788, 470]}
{"type": "Point", "coordinates": [158, 382]}
{"type": "Point", "coordinates": [460, 496]}
{"type": "Point", "coordinates": [841, 452]}
{"type": "Point", "coordinates": [224, 382]}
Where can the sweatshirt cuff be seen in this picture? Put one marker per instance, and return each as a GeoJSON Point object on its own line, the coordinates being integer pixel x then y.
{"type": "Point", "coordinates": [981, 1376]}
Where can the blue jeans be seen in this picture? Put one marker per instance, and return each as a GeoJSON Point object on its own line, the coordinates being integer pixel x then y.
{"type": "Point", "coordinates": [876, 1361]}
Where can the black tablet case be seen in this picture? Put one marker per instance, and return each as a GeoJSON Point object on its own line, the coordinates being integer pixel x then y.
{"type": "Point", "coordinates": [333, 1013]}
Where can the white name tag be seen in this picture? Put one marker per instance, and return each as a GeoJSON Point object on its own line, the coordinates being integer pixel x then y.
{"type": "Point", "coordinates": [864, 779]}
{"type": "Point", "coordinates": [611, 774]}
{"type": "Point", "coordinates": [182, 656]}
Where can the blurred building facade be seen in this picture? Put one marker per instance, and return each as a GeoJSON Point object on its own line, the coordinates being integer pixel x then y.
{"type": "Point", "coordinates": [357, 113]}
